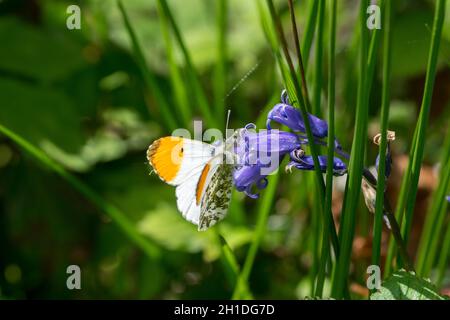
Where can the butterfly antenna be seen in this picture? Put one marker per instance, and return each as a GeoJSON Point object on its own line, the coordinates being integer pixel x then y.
{"type": "Point", "coordinates": [242, 80]}
{"type": "Point", "coordinates": [227, 123]}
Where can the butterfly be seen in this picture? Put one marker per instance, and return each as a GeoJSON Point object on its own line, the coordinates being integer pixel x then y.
{"type": "Point", "coordinates": [202, 174]}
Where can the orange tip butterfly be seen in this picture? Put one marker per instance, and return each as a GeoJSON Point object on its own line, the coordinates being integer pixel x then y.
{"type": "Point", "coordinates": [202, 174]}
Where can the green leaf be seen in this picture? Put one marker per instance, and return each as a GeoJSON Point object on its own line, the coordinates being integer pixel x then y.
{"type": "Point", "coordinates": [168, 228]}
{"type": "Point", "coordinates": [39, 114]}
{"type": "Point", "coordinates": [113, 212]}
{"type": "Point", "coordinates": [164, 222]}
{"type": "Point", "coordinates": [122, 131]}
{"type": "Point", "coordinates": [38, 53]}
{"type": "Point", "coordinates": [403, 285]}
{"type": "Point", "coordinates": [411, 40]}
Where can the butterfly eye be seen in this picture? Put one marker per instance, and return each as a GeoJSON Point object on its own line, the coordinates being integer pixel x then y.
{"type": "Point", "coordinates": [182, 150]}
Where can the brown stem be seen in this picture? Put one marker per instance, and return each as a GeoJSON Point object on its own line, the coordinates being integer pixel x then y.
{"type": "Point", "coordinates": [395, 228]}
{"type": "Point", "coordinates": [299, 55]}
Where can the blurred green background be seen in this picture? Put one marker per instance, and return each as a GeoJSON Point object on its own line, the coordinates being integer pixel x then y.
{"type": "Point", "coordinates": [80, 96]}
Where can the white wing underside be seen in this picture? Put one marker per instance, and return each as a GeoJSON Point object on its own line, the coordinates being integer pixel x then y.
{"type": "Point", "coordinates": [216, 192]}
{"type": "Point", "coordinates": [196, 155]}
{"type": "Point", "coordinates": [216, 197]}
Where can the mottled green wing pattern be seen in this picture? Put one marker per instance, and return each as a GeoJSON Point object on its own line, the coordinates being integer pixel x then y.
{"type": "Point", "coordinates": [215, 201]}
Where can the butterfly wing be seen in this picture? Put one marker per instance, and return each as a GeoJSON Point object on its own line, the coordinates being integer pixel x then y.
{"type": "Point", "coordinates": [190, 194]}
{"type": "Point", "coordinates": [176, 159]}
{"type": "Point", "coordinates": [217, 195]}
{"type": "Point", "coordinates": [180, 162]}
{"type": "Point", "coordinates": [203, 182]}
{"type": "Point", "coordinates": [186, 199]}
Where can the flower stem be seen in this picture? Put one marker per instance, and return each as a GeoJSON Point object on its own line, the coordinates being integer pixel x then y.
{"type": "Point", "coordinates": [309, 31]}
{"type": "Point", "coordinates": [318, 61]}
{"type": "Point", "coordinates": [331, 137]}
{"type": "Point", "coordinates": [381, 181]}
{"type": "Point", "coordinates": [313, 148]}
{"type": "Point", "coordinates": [395, 228]}
{"type": "Point", "coordinates": [353, 185]}
{"type": "Point", "coordinates": [299, 56]}
{"type": "Point", "coordinates": [410, 181]}
{"type": "Point", "coordinates": [263, 214]}
{"type": "Point", "coordinates": [435, 219]}
{"type": "Point", "coordinates": [444, 257]}
{"type": "Point", "coordinates": [421, 128]}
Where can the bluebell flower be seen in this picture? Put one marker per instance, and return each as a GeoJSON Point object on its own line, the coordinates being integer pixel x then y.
{"type": "Point", "coordinates": [251, 145]}
{"type": "Point", "coordinates": [387, 173]}
{"type": "Point", "coordinates": [303, 162]}
{"type": "Point", "coordinates": [448, 198]}
{"type": "Point", "coordinates": [285, 114]}
{"type": "Point", "coordinates": [261, 153]}
{"type": "Point", "coordinates": [369, 182]}
{"type": "Point", "coordinates": [377, 141]}
{"type": "Point", "coordinates": [337, 146]}
{"type": "Point", "coordinates": [292, 118]}
{"type": "Point", "coordinates": [248, 176]}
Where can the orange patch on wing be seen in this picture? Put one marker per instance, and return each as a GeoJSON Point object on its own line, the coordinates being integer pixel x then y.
{"type": "Point", "coordinates": [165, 156]}
{"type": "Point", "coordinates": [201, 183]}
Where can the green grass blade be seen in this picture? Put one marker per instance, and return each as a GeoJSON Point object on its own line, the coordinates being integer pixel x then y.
{"type": "Point", "coordinates": [385, 102]}
{"type": "Point", "coordinates": [401, 203]}
{"type": "Point", "coordinates": [151, 82]}
{"type": "Point", "coordinates": [120, 219]}
{"type": "Point", "coordinates": [445, 256]}
{"type": "Point", "coordinates": [331, 137]}
{"type": "Point", "coordinates": [176, 79]}
{"type": "Point", "coordinates": [198, 92]}
{"type": "Point", "coordinates": [231, 267]}
{"type": "Point", "coordinates": [353, 186]}
{"type": "Point", "coordinates": [270, 34]}
{"type": "Point", "coordinates": [371, 61]}
{"type": "Point", "coordinates": [220, 79]}
{"type": "Point", "coordinates": [319, 224]}
{"type": "Point", "coordinates": [273, 41]}
{"type": "Point", "coordinates": [316, 212]}
{"type": "Point", "coordinates": [421, 127]}
{"type": "Point", "coordinates": [317, 229]}
{"type": "Point", "coordinates": [309, 31]}
{"type": "Point", "coordinates": [318, 65]}
{"type": "Point", "coordinates": [432, 217]}
{"type": "Point", "coordinates": [410, 178]}
{"type": "Point", "coordinates": [267, 25]}
{"type": "Point", "coordinates": [265, 207]}
{"type": "Point", "coordinates": [229, 260]}
{"type": "Point", "coordinates": [435, 219]}
{"type": "Point", "coordinates": [313, 147]}
{"type": "Point", "coordinates": [299, 56]}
